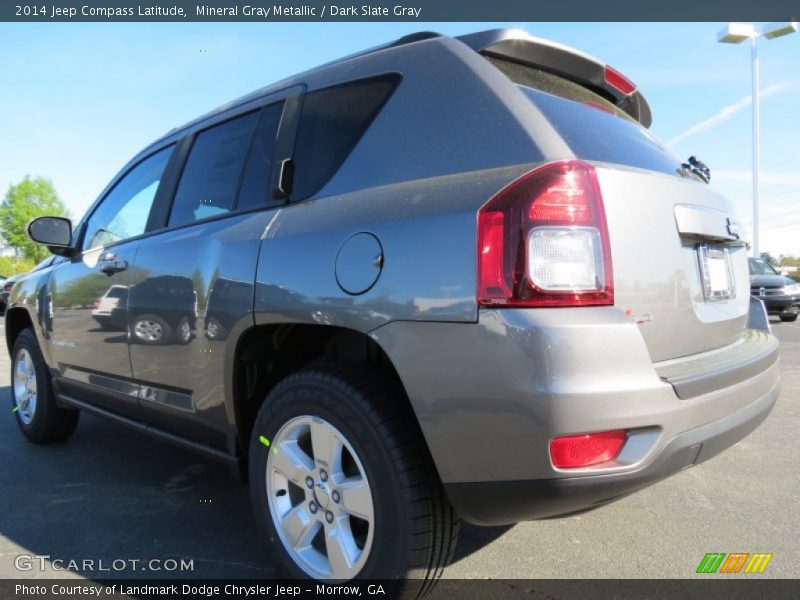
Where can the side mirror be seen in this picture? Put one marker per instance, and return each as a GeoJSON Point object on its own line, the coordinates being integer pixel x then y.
{"type": "Point", "coordinates": [53, 232]}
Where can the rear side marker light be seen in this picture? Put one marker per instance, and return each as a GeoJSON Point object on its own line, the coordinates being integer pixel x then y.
{"type": "Point", "coordinates": [543, 241]}
{"type": "Point", "coordinates": [618, 81]}
{"type": "Point", "coordinates": [575, 451]}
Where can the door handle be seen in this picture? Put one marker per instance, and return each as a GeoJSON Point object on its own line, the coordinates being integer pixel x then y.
{"type": "Point", "coordinates": [110, 264]}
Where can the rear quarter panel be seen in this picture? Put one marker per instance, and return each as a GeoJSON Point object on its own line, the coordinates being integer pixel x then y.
{"type": "Point", "coordinates": [427, 230]}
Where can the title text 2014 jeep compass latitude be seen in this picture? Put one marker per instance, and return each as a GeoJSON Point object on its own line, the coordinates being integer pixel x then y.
{"type": "Point", "coordinates": [445, 278]}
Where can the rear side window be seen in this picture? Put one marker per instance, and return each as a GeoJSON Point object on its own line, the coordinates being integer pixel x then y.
{"type": "Point", "coordinates": [208, 183]}
{"type": "Point", "coordinates": [332, 122]}
{"type": "Point", "coordinates": [255, 190]}
{"type": "Point", "coordinates": [597, 135]}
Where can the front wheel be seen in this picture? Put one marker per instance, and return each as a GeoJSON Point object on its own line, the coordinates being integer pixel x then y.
{"type": "Point", "coordinates": [789, 318]}
{"type": "Point", "coordinates": [343, 485]}
{"type": "Point", "coordinates": [39, 417]}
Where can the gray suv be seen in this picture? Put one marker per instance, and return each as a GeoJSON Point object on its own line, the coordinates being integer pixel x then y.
{"type": "Point", "coordinates": [446, 278]}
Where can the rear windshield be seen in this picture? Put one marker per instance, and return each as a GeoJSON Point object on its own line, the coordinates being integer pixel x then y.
{"type": "Point", "coordinates": [596, 133]}
{"type": "Point", "coordinates": [592, 126]}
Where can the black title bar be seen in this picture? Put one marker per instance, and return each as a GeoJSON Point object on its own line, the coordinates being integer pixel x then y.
{"type": "Point", "coordinates": [263, 11]}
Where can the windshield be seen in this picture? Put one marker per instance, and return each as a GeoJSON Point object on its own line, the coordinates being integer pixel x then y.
{"type": "Point", "coordinates": [759, 266]}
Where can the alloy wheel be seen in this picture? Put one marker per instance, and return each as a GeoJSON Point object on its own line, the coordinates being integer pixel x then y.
{"type": "Point", "coordinates": [25, 386]}
{"type": "Point", "coordinates": [320, 499]}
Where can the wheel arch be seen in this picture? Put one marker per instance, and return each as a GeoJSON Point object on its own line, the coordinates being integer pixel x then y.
{"type": "Point", "coordinates": [17, 320]}
{"type": "Point", "coordinates": [266, 354]}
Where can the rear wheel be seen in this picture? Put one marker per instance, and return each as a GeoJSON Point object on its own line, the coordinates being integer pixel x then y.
{"type": "Point", "coordinates": [34, 404]}
{"type": "Point", "coordinates": [151, 330]}
{"type": "Point", "coordinates": [789, 318]}
{"type": "Point", "coordinates": [345, 487]}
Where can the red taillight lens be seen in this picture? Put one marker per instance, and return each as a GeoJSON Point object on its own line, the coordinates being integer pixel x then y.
{"type": "Point", "coordinates": [618, 81]}
{"type": "Point", "coordinates": [575, 451]}
{"type": "Point", "coordinates": [543, 241]}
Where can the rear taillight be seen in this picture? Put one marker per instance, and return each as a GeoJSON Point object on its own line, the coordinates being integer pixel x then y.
{"type": "Point", "coordinates": [543, 241]}
{"type": "Point", "coordinates": [575, 451]}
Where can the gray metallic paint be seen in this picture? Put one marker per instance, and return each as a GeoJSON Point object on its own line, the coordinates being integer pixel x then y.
{"type": "Point", "coordinates": [520, 377]}
{"type": "Point", "coordinates": [514, 378]}
{"type": "Point", "coordinates": [204, 254]}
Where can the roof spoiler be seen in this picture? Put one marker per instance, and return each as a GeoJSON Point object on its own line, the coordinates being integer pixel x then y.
{"type": "Point", "coordinates": [516, 45]}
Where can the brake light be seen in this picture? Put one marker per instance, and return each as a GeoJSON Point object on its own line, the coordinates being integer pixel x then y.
{"type": "Point", "coordinates": [576, 451]}
{"type": "Point", "coordinates": [618, 81]}
{"type": "Point", "coordinates": [543, 241]}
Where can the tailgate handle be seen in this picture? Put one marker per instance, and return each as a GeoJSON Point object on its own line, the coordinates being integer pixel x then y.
{"type": "Point", "coordinates": [707, 223]}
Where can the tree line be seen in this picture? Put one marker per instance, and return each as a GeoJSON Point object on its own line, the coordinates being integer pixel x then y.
{"type": "Point", "coordinates": [30, 198]}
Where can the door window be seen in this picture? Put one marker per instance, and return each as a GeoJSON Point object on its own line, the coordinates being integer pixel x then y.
{"type": "Point", "coordinates": [123, 213]}
{"type": "Point", "coordinates": [255, 189]}
{"type": "Point", "coordinates": [209, 180]}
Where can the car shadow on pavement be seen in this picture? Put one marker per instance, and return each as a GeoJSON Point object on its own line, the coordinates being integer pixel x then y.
{"type": "Point", "coordinates": [110, 494]}
{"type": "Point", "coordinates": [472, 538]}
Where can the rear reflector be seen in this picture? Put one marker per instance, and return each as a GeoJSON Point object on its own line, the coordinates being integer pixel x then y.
{"type": "Point", "coordinates": [576, 451]}
{"type": "Point", "coordinates": [618, 81]}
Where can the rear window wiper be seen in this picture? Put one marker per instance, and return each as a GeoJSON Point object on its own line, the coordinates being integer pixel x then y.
{"type": "Point", "coordinates": [694, 166]}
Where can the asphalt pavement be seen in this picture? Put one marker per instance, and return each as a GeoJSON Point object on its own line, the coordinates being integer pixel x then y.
{"type": "Point", "coordinates": [109, 494]}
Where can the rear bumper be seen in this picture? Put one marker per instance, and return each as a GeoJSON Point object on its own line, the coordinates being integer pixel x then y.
{"type": "Point", "coordinates": [506, 502]}
{"type": "Point", "coordinates": [490, 396]}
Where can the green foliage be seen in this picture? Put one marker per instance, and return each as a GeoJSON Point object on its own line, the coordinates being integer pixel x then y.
{"type": "Point", "coordinates": [30, 198]}
{"type": "Point", "coordinates": [789, 261]}
{"type": "Point", "coordinates": [11, 266]}
{"type": "Point", "coordinates": [83, 290]}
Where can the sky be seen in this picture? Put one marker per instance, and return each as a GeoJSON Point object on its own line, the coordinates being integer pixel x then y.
{"type": "Point", "coordinates": [78, 100]}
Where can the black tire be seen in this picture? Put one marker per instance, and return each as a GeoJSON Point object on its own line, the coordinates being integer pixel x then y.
{"type": "Point", "coordinates": [215, 329]}
{"type": "Point", "coordinates": [166, 331]}
{"type": "Point", "coordinates": [183, 334]}
{"type": "Point", "coordinates": [49, 422]}
{"type": "Point", "coordinates": [789, 318]}
{"type": "Point", "coordinates": [415, 528]}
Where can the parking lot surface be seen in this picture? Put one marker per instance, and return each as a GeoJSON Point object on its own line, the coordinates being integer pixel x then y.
{"type": "Point", "coordinates": [109, 494]}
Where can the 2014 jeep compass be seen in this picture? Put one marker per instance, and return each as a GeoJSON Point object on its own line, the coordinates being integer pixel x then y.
{"type": "Point", "coordinates": [445, 278]}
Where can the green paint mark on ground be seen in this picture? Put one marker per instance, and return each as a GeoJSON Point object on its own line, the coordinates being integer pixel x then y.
{"type": "Point", "coordinates": [263, 440]}
{"type": "Point", "coordinates": [15, 409]}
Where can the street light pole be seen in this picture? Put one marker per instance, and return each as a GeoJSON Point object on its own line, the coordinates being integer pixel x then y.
{"type": "Point", "coordinates": [756, 140]}
{"type": "Point", "coordinates": [736, 33]}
